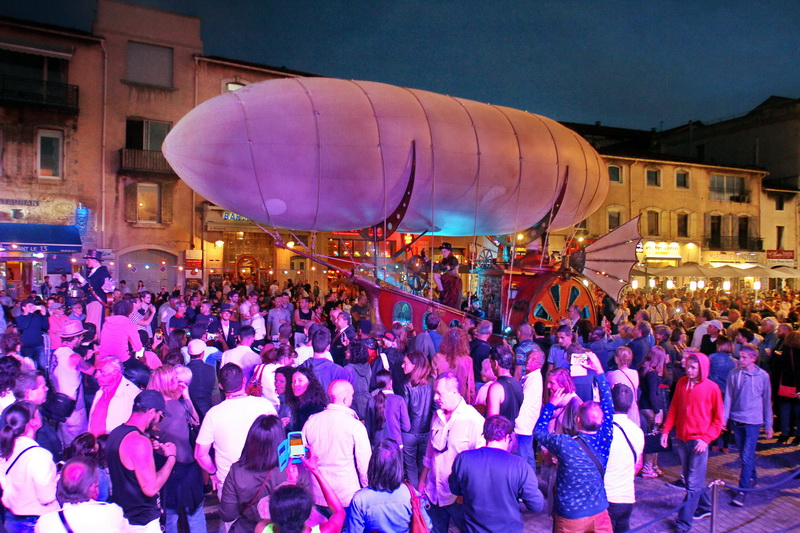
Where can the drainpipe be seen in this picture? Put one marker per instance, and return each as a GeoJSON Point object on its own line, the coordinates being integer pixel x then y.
{"type": "Point", "coordinates": [103, 148]}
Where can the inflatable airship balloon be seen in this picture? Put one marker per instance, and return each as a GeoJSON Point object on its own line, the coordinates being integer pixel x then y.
{"type": "Point", "coordinates": [333, 155]}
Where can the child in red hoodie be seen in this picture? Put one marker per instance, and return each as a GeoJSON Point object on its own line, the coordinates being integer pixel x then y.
{"type": "Point", "coordinates": [696, 413]}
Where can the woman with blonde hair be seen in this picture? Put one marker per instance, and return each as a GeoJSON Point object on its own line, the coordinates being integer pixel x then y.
{"type": "Point", "coordinates": [563, 421]}
{"type": "Point", "coordinates": [454, 356]}
{"type": "Point", "coordinates": [625, 375]}
{"type": "Point", "coordinates": [655, 383]}
{"type": "Point", "coordinates": [183, 492]}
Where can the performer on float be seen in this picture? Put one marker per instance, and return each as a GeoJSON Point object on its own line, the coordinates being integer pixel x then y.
{"type": "Point", "coordinates": [447, 279]}
{"type": "Point", "coordinates": [96, 286]}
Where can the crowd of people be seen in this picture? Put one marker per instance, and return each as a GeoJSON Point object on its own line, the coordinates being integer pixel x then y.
{"type": "Point", "coordinates": [126, 408]}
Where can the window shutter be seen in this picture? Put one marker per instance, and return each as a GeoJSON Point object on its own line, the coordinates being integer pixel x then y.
{"type": "Point", "coordinates": [167, 198]}
{"type": "Point", "coordinates": [727, 226]}
{"type": "Point", "coordinates": [130, 200]}
{"type": "Point", "coordinates": [753, 228]}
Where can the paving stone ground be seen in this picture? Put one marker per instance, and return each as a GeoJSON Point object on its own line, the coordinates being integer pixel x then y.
{"type": "Point", "coordinates": [770, 511]}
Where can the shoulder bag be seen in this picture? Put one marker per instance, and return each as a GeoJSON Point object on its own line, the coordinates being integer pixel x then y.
{"type": "Point", "coordinates": [787, 391]}
{"type": "Point", "coordinates": [417, 521]}
{"type": "Point", "coordinates": [18, 456]}
{"type": "Point", "coordinates": [635, 455]}
{"type": "Point", "coordinates": [191, 423]}
{"type": "Point", "coordinates": [585, 447]}
{"type": "Point", "coordinates": [254, 387]}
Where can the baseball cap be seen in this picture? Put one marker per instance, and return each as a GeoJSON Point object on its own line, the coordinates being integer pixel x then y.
{"type": "Point", "coordinates": [197, 347]}
{"type": "Point", "coordinates": [150, 399]}
{"type": "Point", "coordinates": [717, 324]}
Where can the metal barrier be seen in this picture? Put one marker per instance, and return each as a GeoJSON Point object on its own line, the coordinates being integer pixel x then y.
{"type": "Point", "coordinates": [714, 488]}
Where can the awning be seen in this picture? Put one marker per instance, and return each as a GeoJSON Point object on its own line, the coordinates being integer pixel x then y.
{"type": "Point", "coordinates": [40, 238]}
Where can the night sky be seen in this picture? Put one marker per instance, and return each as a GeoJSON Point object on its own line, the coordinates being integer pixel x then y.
{"type": "Point", "coordinates": [632, 64]}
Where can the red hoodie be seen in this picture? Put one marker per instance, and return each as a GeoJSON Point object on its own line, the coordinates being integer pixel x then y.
{"type": "Point", "coordinates": [697, 409]}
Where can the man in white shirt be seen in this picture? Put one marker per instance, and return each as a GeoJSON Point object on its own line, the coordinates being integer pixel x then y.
{"type": "Point", "coordinates": [624, 460]}
{"type": "Point", "coordinates": [248, 309]}
{"type": "Point", "coordinates": [226, 425]}
{"type": "Point", "coordinates": [77, 490]}
{"type": "Point", "coordinates": [243, 355]}
{"type": "Point", "coordinates": [456, 427]}
{"type": "Point", "coordinates": [341, 443]}
{"type": "Point", "coordinates": [531, 404]}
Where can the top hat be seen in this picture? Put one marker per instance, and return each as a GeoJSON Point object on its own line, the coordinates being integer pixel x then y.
{"type": "Point", "coordinates": [446, 246]}
{"type": "Point", "coordinates": [97, 255]}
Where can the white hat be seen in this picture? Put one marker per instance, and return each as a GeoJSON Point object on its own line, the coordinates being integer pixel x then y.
{"type": "Point", "coordinates": [197, 347]}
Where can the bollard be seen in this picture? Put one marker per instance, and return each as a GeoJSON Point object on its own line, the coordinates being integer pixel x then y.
{"type": "Point", "coordinates": [714, 485]}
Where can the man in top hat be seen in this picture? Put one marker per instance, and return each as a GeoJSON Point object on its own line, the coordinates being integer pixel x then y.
{"type": "Point", "coordinates": [225, 332]}
{"type": "Point", "coordinates": [96, 285]}
{"type": "Point", "coordinates": [447, 280]}
{"type": "Point", "coordinates": [67, 371]}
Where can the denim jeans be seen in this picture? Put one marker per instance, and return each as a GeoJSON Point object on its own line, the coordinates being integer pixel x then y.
{"type": "Point", "coordinates": [746, 436]}
{"type": "Point", "coordinates": [789, 411]}
{"type": "Point", "coordinates": [37, 355]}
{"type": "Point", "coordinates": [20, 524]}
{"type": "Point", "coordinates": [525, 449]}
{"type": "Point", "coordinates": [440, 517]}
{"type": "Point", "coordinates": [197, 521]}
{"type": "Point", "coordinates": [620, 515]}
{"type": "Point", "coordinates": [694, 472]}
{"type": "Point", "coordinates": [414, 447]}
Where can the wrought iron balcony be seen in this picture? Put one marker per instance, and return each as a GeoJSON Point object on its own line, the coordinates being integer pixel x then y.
{"type": "Point", "coordinates": [744, 244]}
{"type": "Point", "coordinates": [144, 161]}
{"type": "Point", "coordinates": [14, 90]}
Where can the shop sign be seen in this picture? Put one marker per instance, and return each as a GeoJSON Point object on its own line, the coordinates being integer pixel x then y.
{"type": "Point", "coordinates": [47, 209]}
{"type": "Point", "coordinates": [193, 260]}
{"type": "Point", "coordinates": [221, 220]}
{"type": "Point", "coordinates": [780, 258]}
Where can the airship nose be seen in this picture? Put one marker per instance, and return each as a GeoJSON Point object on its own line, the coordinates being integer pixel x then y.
{"type": "Point", "coordinates": [208, 146]}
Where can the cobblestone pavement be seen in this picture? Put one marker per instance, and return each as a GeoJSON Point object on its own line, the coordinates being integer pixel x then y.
{"type": "Point", "coordinates": [770, 511]}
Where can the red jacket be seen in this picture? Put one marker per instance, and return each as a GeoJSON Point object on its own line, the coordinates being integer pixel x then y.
{"type": "Point", "coordinates": [697, 410]}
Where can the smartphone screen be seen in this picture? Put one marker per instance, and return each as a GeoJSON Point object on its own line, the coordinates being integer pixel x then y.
{"type": "Point", "coordinates": [296, 446]}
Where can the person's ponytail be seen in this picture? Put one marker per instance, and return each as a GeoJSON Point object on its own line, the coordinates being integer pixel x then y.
{"type": "Point", "coordinates": [15, 419]}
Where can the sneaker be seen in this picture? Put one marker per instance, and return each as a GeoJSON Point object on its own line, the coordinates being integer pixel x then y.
{"type": "Point", "coordinates": [738, 500]}
{"type": "Point", "coordinates": [658, 471]}
{"type": "Point", "coordinates": [649, 474]}
{"type": "Point", "coordinates": [677, 484]}
{"type": "Point", "coordinates": [699, 514]}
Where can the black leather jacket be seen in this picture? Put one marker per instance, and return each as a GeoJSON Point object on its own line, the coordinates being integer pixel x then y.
{"type": "Point", "coordinates": [420, 407]}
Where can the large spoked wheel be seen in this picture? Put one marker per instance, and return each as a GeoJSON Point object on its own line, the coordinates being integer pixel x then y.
{"type": "Point", "coordinates": [417, 273]}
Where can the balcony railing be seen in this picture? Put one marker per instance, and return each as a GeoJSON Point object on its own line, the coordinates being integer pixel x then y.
{"type": "Point", "coordinates": [745, 244]}
{"type": "Point", "coordinates": [741, 196]}
{"type": "Point", "coordinates": [144, 161]}
{"type": "Point", "coordinates": [39, 93]}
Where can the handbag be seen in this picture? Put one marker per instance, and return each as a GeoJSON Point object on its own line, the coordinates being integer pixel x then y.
{"type": "Point", "coordinates": [254, 386]}
{"type": "Point", "coordinates": [194, 427]}
{"type": "Point", "coordinates": [417, 521]}
{"type": "Point", "coordinates": [58, 406]}
{"type": "Point", "coordinates": [652, 443]}
{"type": "Point", "coordinates": [786, 391]}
